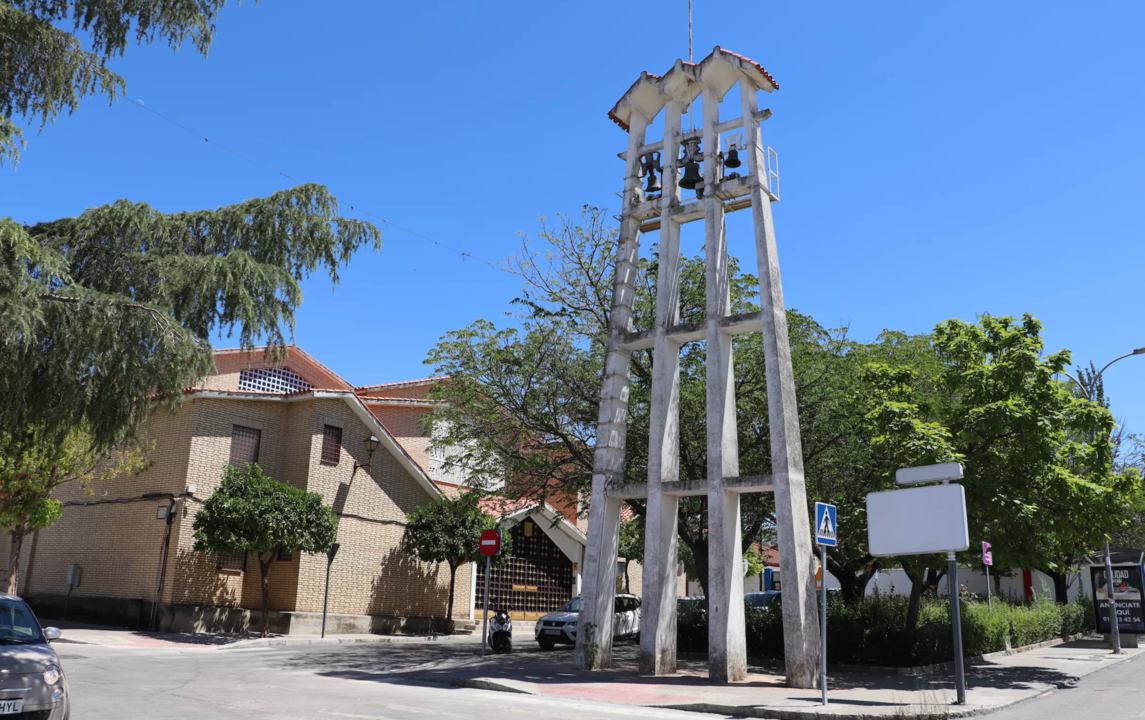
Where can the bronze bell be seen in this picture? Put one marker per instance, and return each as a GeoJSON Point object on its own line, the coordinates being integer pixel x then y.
{"type": "Point", "coordinates": [732, 160]}
{"type": "Point", "coordinates": [692, 176]}
{"type": "Point", "coordinates": [653, 185]}
{"type": "Point", "coordinates": [650, 165]}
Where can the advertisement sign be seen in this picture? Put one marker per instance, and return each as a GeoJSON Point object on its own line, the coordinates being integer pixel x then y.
{"type": "Point", "coordinates": [1128, 589]}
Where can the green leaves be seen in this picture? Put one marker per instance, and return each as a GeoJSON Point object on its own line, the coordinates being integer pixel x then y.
{"type": "Point", "coordinates": [106, 314]}
{"type": "Point", "coordinates": [448, 530]}
{"type": "Point", "coordinates": [253, 512]}
{"type": "Point", "coordinates": [44, 69]}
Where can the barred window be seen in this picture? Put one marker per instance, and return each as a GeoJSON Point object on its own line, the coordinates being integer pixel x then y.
{"type": "Point", "coordinates": [331, 445]}
{"type": "Point", "coordinates": [285, 554]}
{"type": "Point", "coordinates": [231, 561]}
{"type": "Point", "coordinates": [244, 445]}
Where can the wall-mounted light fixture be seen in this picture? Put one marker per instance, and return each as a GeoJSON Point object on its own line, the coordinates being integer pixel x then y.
{"type": "Point", "coordinates": [372, 443]}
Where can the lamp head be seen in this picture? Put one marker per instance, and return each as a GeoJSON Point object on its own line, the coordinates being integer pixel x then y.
{"type": "Point", "coordinates": [372, 443]}
{"type": "Point", "coordinates": [1139, 351]}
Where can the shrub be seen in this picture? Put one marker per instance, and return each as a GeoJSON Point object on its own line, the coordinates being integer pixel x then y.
{"type": "Point", "coordinates": [873, 632]}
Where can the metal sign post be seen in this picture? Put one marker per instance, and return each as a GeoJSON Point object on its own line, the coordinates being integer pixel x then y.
{"type": "Point", "coordinates": [489, 544]}
{"type": "Point", "coordinates": [956, 623]}
{"type": "Point", "coordinates": [1114, 630]}
{"type": "Point", "coordinates": [987, 560]}
{"type": "Point", "coordinates": [921, 521]}
{"type": "Point", "coordinates": [826, 535]}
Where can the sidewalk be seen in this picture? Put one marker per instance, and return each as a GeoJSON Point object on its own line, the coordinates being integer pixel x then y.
{"type": "Point", "coordinates": [84, 634]}
{"type": "Point", "coordinates": [992, 684]}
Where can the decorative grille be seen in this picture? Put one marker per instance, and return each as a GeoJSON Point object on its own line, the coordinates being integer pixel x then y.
{"type": "Point", "coordinates": [279, 380]}
{"type": "Point", "coordinates": [244, 445]}
{"type": "Point", "coordinates": [537, 579]}
{"type": "Point", "coordinates": [331, 445]}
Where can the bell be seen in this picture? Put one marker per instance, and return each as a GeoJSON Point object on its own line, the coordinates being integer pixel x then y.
{"type": "Point", "coordinates": [653, 185]}
{"type": "Point", "coordinates": [692, 176]}
{"type": "Point", "coordinates": [732, 159]}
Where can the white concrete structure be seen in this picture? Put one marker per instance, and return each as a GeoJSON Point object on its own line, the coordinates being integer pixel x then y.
{"type": "Point", "coordinates": [713, 77]}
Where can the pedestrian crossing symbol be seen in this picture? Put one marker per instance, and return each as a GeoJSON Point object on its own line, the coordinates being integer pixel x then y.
{"type": "Point", "coordinates": [825, 529]}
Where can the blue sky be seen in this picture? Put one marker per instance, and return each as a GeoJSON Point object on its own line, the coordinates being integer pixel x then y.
{"type": "Point", "coordinates": [937, 160]}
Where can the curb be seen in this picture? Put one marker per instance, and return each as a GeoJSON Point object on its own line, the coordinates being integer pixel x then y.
{"type": "Point", "coordinates": [375, 640]}
{"type": "Point", "coordinates": [907, 713]}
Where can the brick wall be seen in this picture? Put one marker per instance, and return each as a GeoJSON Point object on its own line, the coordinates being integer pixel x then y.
{"type": "Point", "coordinates": [119, 544]}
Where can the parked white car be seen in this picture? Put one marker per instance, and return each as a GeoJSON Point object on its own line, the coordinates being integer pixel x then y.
{"type": "Point", "coordinates": [560, 627]}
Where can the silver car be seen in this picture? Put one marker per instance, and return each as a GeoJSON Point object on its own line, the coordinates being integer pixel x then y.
{"type": "Point", "coordinates": [32, 684]}
{"type": "Point", "coordinates": [560, 627]}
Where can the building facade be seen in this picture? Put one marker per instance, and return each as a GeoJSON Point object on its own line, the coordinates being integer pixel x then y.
{"type": "Point", "coordinates": [132, 541]}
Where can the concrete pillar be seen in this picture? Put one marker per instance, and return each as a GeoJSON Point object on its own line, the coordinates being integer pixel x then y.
{"type": "Point", "coordinates": [727, 647]}
{"type": "Point", "coordinates": [800, 620]}
{"type": "Point", "coordinates": [658, 612]}
{"type": "Point", "coordinates": [594, 627]}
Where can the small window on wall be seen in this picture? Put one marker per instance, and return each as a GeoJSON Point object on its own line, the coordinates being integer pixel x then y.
{"type": "Point", "coordinates": [331, 445]}
{"type": "Point", "coordinates": [231, 562]}
{"type": "Point", "coordinates": [285, 554]}
{"type": "Point", "coordinates": [244, 445]}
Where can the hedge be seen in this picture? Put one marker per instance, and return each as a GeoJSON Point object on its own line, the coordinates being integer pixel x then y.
{"type": "Point", "coordinates": [873, 632]}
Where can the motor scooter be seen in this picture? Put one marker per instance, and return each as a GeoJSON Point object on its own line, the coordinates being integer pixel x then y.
{"type": "Point", "coordinates": [501, 632]}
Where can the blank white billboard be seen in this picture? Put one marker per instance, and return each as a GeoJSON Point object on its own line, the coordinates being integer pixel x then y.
{"type": "Point", "coordinates": [917, 521]}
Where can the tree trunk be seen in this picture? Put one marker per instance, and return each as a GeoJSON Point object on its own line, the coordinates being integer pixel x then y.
{"type": "Point", "coordinates": [627, 585]}
{"type": "Point", "coordinates": [852, 581]}
{"type": "Point", "coordinates": [700, 555]}
{"type": "Point", "coordinates": [449, 605]}
{"type": "Point", "coordinates": [916, 582]}
{"type": "Point", "coordinates": [264, 568]}
{"type": "Point", "coordinates": [14, 559]}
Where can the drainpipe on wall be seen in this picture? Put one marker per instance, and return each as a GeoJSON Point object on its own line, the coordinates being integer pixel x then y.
{"type": "Point", "coordinates": [162, 571]}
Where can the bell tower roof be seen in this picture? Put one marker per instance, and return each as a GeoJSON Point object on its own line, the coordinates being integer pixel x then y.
{"type": "Point", "coordinates": [719, 71]}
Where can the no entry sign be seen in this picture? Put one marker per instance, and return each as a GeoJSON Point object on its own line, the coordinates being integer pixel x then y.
{"type": "Point", "coordinates": [987, 555]}
{"type": "Point", "coordinates": [490, 542]}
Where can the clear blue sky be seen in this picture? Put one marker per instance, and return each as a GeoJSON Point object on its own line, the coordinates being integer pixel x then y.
{"type": "Point", "coordinates": [937, 160]}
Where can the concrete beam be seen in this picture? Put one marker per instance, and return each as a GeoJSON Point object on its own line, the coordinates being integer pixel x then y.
{"type": "Point", "coordinates": [594, 637]}
{"type": "Point", "coordinates": [694, 332]}
{"type": "Point", "coordinates": [800, 616]}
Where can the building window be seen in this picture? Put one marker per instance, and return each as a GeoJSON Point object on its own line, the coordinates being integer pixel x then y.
{"type": "Point", "coordinates": [244, 445]}
{"type": "Point", "coordinates": [285, 554]}
{"type": "Point", "coordinates": [276, 380]}
{"type": "Point", "coordinates": [331, 445]}
{"type": "Point", "coordinates": [233, 562]}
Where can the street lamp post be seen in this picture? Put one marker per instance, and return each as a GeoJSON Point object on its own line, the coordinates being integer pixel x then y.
{"type": "Point", "coordinates": [1114, 630]}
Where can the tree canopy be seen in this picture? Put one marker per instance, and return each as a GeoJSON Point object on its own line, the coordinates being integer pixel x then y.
{"type": "Point", "coordinates": [45, 69]}
{"type": "Point", "coordinates": [448, 530]}
{"type": "Point", "coordinates": [106, 314]}
{"type": "Point", "coordinates": [522, 403]}
{"type": "Point", "coordinates": [251, 512]}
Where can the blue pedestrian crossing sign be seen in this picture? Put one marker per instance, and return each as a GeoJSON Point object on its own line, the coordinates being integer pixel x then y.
{"type": "Point", "coordinates": [825, 529]}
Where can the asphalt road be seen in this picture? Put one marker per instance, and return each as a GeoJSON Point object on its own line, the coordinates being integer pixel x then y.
{"type": "Point", "coordinates": [1115, 693]}
{"type": "Point", "coordinates": [280, 683]}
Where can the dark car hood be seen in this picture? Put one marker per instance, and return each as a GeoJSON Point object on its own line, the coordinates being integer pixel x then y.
{"type": "Point", "coordinates": [24, 659]}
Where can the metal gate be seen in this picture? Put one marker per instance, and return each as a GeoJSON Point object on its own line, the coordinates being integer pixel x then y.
{"type": "Point", "coordinates": [537, 579]}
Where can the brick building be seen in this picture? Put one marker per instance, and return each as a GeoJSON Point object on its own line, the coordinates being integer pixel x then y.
{"type": "Point", "coordinates": [132, 539]}
{"type": "Point", "coordinates": [305, 426]}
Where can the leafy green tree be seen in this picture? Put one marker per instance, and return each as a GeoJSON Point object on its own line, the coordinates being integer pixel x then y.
{"type": "Point", "coordinates": [28, 480]}
{"type": "Point", "coordinates": [448, 530]}
{"type": "Point", "coordinates": [107, 315]}
{"type": "Point", "coordinates": [631, 546]}
{"type": "Point", "coordinates": [752, 562]}
{"type": "Point", "coordinates": [253, 513]}
{"type": "Point", "coordinates": [45, 69]}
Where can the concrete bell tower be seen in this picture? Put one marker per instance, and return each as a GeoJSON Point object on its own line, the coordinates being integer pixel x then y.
{"type": "Point", "coordinates": [717, 146]}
